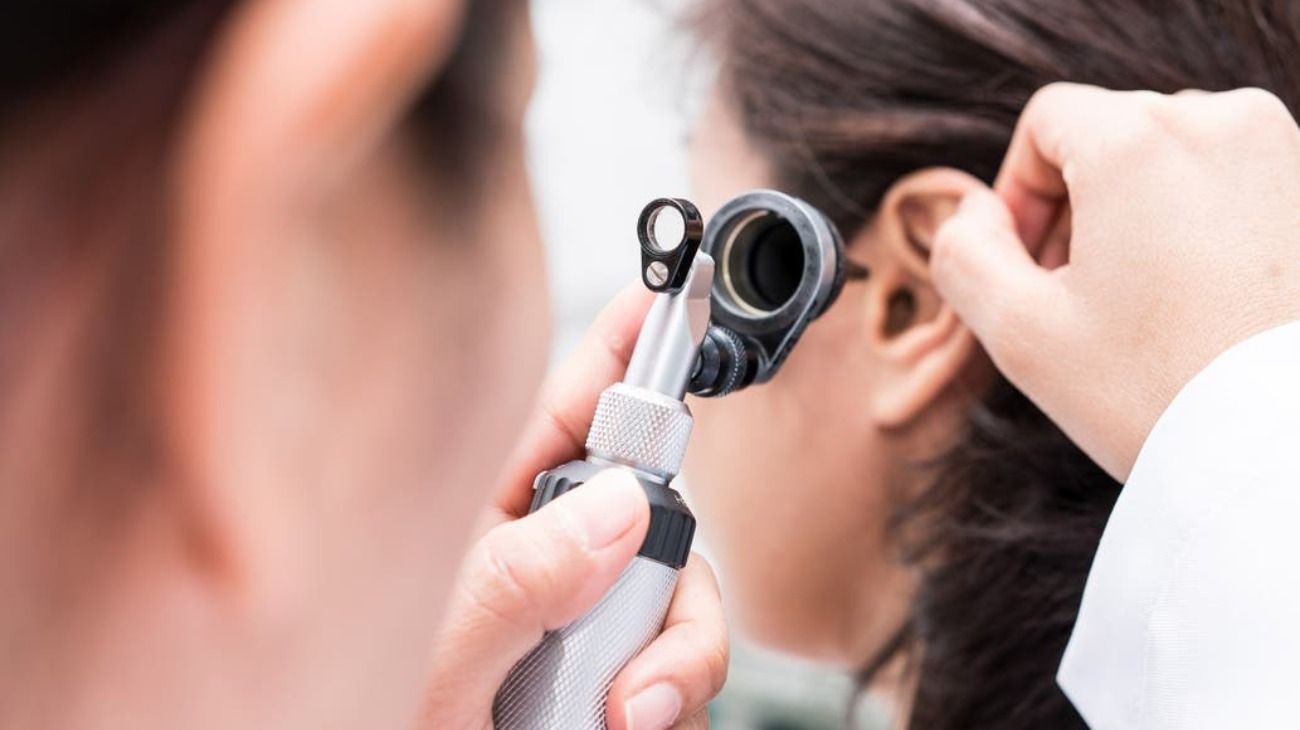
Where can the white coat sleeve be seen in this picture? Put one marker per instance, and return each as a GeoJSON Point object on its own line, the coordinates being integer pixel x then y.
{"type": "Point", "coordinates": [1191, 614]}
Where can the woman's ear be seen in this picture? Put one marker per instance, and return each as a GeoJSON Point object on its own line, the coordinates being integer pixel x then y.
{"type": "Point", "coordinates": [293, 99]}
{"type": "Point", "coordinates": [921, 345]}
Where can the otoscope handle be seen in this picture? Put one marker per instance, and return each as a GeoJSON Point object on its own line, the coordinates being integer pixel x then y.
{"type": "Point", "coordinates": [563, 683]}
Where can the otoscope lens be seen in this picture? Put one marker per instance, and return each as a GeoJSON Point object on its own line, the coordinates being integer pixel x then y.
{"type": "Point", "coordinates": [765, 263]}
{"type": "Point", "coordinates": [776, 264]}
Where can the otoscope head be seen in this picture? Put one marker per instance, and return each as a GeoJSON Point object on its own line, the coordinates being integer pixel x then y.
{"type": "Point", "coordinates": [735, 295]}
{"type": "Point", "coordinates": [779, 265]}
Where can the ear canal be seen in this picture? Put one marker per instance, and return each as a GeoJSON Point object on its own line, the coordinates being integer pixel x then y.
{"type": "Point", "coordinates": [900, 312]}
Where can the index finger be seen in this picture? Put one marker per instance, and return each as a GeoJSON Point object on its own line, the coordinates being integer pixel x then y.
{"type": "Point", "coordinates": [557, 431]}
{"type": "Point", "coordinates": [691, 655]}
{"type": "Point", "coordinates": [1052, 133]}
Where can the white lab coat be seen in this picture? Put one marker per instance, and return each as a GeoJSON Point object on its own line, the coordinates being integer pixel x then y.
{"type": "Point", "coordinates": [1191, 615]}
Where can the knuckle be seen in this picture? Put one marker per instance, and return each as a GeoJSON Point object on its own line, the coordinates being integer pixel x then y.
{"type": "Point", "coordinates": [562, 534]}
{"type": "Point", "coordinates": [1244, 116]}
{"type": "Point", "coordinates": [1159, 126]}
{"type": "Point", "coordinates": [1149, 117]}
{"type": "Point", "coordinates": [1051, 101]}
{"type": "Point", "coordinates": [706, 661]}
{"type": "Point", "coordinates": [1229, 123]}
{"type": "Point", "coordinates": [698, 721]}
{"type": "Point", "coordinates": [717, 663]}
{"type": "Point", "coordinates": [1043, 102]}
{"type": "Point", "coordinates": [1254, 124]}
{"type": "Point", "coordinates": [1150, 101]}
{"type": "Point", "coordinates": [1053, 93]}
{"type": "Point", "coordinates": [1255, 105]}
{"type": "Point", "coordinates": [551, 409]}
{"type": "Point", "coordinates": [557, 548]}
{"type": "Point", "coordinates": [496, 588]}
{"type": "Point", "coordinates": [523, 568]}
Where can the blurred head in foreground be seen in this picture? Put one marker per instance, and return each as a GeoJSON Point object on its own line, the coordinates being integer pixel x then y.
{"type": "Point", "coordinates": [889, 500]}
{"type": "Point", "coordinates": [259, 261]}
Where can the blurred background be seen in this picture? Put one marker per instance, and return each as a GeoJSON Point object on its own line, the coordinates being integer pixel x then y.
{"type": "Point", "coordinates": [607, 133]}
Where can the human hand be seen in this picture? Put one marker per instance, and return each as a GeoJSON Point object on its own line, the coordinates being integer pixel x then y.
{"type": "Point", "coordinates": [1130, 238]}
{"type": "Point", "coordinates": [528, 574]}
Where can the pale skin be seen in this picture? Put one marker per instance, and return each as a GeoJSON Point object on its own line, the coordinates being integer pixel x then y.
{"type": "Point", "coordinates": [1099, 289]}
{"type": "Point", "coordinates": [343, 367]}
{"type": "Point", "coordinates": [1186, 249]}
{"type": "Point", "coordinates": [798, 521]}
{"type": "Point", "coordinates": [289, 557]}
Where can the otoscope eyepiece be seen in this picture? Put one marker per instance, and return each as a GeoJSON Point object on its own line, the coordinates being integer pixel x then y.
{"type": "Point", "coordinates": [664, 268]}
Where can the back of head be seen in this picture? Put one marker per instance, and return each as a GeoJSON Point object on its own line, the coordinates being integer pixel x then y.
{"type": "Point", "coordinates": [94, 100]}
{"type": "Point", "coordinates": [845, 97]}
{"type": "Point", "coordinates": [226, 287]}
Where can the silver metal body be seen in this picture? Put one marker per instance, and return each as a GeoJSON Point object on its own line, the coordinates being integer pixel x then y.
{"type": "Point", "coordinates": [641, 425]}
{"type": "Point", "coordinates": [640, 429]}
{"type": "Point", "coordinates": [563, 683]}
{"type": "Point", "coordinates": [670, 338]}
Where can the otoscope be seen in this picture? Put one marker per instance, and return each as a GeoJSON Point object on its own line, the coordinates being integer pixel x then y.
{"type": "Point", "coordinates": [732, 301]}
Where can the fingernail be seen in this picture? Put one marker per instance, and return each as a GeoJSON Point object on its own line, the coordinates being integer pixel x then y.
{"type": "Point", "coordinates": [607, 507]}
{"type": "Point", "coordinates": [653, 708]}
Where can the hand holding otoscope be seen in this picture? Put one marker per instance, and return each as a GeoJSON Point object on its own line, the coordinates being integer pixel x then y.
{"type": "Point", "coordinates": [714, 328]}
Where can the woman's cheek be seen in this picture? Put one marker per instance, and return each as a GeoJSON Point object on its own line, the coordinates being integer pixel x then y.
{"type": "Point", "coordinates": [740, 479]}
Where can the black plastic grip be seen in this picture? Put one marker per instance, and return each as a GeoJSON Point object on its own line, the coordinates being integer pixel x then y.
{"type": "Point", "coordinates": [672, 526]}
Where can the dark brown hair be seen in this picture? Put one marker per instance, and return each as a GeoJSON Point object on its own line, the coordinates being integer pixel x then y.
{"type": "Point", "coordinates": [845, 97]}
{"type": "Point", "coordinates": [47, 46]}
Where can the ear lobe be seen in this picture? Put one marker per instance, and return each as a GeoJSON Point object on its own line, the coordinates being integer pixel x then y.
{"type": "Point", "coordinates": [925, 360]}
{"type": "Point", "coordinates": [923, 344]}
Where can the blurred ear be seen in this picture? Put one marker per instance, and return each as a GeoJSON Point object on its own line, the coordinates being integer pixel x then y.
{"type": "Point", "coordinates": [917, 338]}
{"type": "Point", "coordinates": [294, 99]}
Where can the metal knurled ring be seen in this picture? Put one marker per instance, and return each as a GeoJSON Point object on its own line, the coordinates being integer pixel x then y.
{"type": "Point", "coordinates": [640, 428]}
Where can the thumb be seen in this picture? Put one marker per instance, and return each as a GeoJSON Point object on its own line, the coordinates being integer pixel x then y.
{"type": "Point", "coordinates": [530, 576]}
{"type": "Point", "coordinates": [983, 271]}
